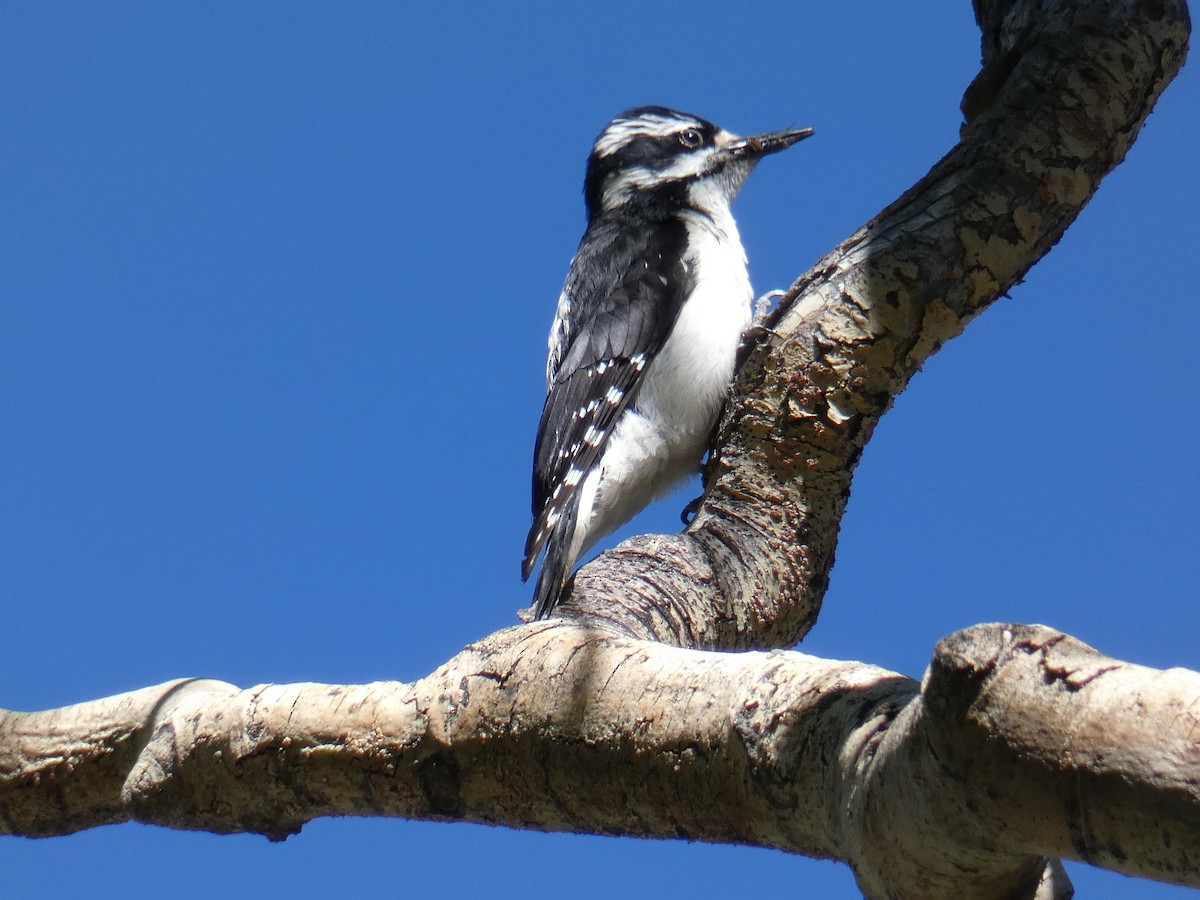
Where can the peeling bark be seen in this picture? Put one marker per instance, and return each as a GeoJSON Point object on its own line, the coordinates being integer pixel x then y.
{"type": "Point", "coordinates": [1020, 747]}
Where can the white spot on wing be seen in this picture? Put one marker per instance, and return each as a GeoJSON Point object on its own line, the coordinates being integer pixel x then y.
{"type": "Point", "coordinates": [560, 337]}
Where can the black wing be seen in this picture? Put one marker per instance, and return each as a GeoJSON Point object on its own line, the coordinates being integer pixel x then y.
{"type": "Point", "coordinates": [623, 294]}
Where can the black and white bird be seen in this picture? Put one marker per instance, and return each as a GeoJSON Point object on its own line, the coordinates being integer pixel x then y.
{"type": "Point", "coordinates": [646, 333]}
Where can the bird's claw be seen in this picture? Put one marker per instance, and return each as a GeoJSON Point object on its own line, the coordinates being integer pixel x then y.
{"type": "Point", "coordinates": [763, 305]}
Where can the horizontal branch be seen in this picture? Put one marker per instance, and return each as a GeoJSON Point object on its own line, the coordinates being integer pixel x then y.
{"type": "Point", "coordinates": [61, 769]}
{"type": "Point", "coordinates": [1022, 744]}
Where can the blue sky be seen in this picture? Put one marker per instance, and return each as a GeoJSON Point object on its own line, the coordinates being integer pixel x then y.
{"type": "Point", "coordinates": [275, 281]}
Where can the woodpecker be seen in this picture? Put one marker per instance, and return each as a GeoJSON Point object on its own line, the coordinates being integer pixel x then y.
{"type": "Point", "coordinates": [646, 330]}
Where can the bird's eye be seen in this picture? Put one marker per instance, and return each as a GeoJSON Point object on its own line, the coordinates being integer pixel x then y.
{"type": "Point", "coordinates": [691, 138]}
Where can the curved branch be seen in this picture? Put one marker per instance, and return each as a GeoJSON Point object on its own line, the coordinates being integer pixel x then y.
{"type": "Point", "coordinates": [1021, 745]}
{"type": "Point", "coordinates": [1064, 90]}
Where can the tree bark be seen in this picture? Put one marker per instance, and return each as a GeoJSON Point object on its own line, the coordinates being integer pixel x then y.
{"type": "Point", "coordinates": [1021, 745]}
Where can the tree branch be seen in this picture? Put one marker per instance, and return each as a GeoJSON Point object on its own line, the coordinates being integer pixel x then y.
{"type": "Point", "coordinates": [1020, 746]}
{"type": "Point", "coordinates": [1064, 91]}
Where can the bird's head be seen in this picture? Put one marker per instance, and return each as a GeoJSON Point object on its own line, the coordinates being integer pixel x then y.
{"type": "Point", "coordinates": [652, 152]}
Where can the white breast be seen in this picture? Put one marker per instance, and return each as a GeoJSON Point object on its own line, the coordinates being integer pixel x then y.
{"type": "Point", "coordinates": [662, 440]}
{"type": "Point", "coordinates": [686, 383]}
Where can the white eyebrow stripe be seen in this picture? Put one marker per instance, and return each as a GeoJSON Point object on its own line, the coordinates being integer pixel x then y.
{"type": "Point", "coordinates": [654, 125]}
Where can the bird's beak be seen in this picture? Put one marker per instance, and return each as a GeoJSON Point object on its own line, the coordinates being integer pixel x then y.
{"type": "Point", "coordinates": [772, 142]}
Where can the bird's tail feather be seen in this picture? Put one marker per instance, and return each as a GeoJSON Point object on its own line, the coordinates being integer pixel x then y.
{"type": "Point", "coordinates": [557, 564]}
